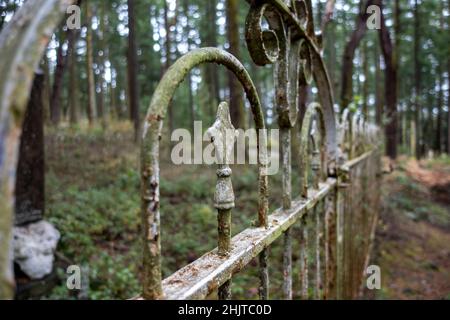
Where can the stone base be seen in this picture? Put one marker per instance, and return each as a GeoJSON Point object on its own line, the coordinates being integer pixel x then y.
{"type": "Point", "coordinates": [33, 247]}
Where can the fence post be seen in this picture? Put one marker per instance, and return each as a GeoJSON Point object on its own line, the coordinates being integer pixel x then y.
{"type": "Point", "coordinates": [223, 136]}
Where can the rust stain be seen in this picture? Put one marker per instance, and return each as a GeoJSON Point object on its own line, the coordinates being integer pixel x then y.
{"type": "Point", "coordinates": [154, 118]}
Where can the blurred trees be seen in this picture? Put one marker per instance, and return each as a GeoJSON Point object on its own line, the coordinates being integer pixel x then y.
{"type": "Point", "coordinates": [132, 69]}
{"type": "Point", "coordinates": [236, 97]}
{"type": "Point", "coordinates": [108, 70]}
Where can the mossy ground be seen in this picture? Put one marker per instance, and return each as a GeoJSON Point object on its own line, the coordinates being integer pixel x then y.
{"type": "Point", "coordinates": [412, 243]}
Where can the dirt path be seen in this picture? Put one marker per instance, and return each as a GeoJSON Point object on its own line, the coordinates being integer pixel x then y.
{"type": "Point", "coordinates": [413, 236]}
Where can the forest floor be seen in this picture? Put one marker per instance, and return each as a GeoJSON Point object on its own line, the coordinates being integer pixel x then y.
{"type": "Point", "coordinates": [413, 236]}
{"type": "Point", "coordinates": [92, 190]}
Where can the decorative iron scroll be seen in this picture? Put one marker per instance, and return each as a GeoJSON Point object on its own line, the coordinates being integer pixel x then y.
{"type": "Point", "coordinates": [290, 43]}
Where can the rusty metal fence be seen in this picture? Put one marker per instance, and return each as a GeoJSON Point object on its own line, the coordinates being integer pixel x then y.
{"type": "Point", "coordinates": [338, 160]}
{"type": "Point", "coordinates": [338, 171]}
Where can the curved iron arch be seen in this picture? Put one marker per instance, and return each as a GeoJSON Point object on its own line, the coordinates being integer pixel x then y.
{"type": "Point", "coordinates": [150, 152]}
{"type": "Point", "coordinates": [312, 109]}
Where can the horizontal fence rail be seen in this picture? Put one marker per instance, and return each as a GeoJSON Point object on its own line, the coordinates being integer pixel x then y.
{"type": "Point", "coordinates": [200, 278]}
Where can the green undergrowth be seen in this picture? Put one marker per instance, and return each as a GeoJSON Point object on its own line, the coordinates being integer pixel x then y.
{"type": "Point", "coordinates": [415, 200]}
{"type": "Point", "coordinates": [414, 231]}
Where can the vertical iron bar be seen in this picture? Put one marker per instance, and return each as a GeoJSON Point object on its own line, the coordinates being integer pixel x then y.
{"type": "Point", "coordinates": [224, 231]}
{"type": "Point", "coordinates": [224, 244]}
{"type": "Point", "coordinates": [223, 136]}
{"type": "Point", "coordinates": [330, 247]}
{"type": "Point", "coordinates": [150, 214]}
{"type": "Point", "coordinates": [311, 252]}
{"type": "Point", "coordinates": [304, 259]}
{"type": "Point", "coordinates": [287, 265]}
{"type": "Point", "coordinates": [350, 240]}
{"type": "Point", "coordinates": [318, 234]}
{"type": "Point", "coordinates": [225, 291]}
{"type": "Point", "coordinates": [263, 275]}
{"type": "Point", "coordinates": [285, 134]}
{"type": "Point", "coordinates": [340, 227]}
{"type": "Point", "coordinates": [326, 282]}
{"type": "Point", "coordinates": [315, 167]}
{"type": "Point", "coordinates": [287, 190]}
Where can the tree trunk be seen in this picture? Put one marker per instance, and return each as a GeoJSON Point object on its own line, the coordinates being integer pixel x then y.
{"type": "Point", "coordinates": [73, 84]}
{"type": "Point", "coordinates": [168, 45]}
{"type": "Point", "coordinates": [189, 78]}
{"type": "Point", "coordinates": [91, 105]}
{"type": "Point", "coordinates": [30, 186]}
{"type": "Point", "coordinates": [237, 109]}
{"type": "Point", "coordinates": [209, 39]}
{"type": "Point", "coordinates": [417, 81]}
{"type": "Point", "coordinates": [331, 55]}
{"type": "Point", "coordinates": [328, 27]}
{"type": "Point", "coordinates": [390, 89]}
{"type": "Point", "coordinates": [440, 104]}
{"type": "Point", "coordinates": [448, 86]}
{"type": "Point", "coordinates": [55, 103]}
{"type": "Point", "coordinates": [429, 129]}
{"type": "Point", "coordinates": [329, 9]}
{"type": "Point", "coordinates": [365, 108]}
{"type": "Point", "coordinates": [397, 28]}
{"type": "Point", "coordinates": [319, 13]}
{"type": "Point", "coordinates": [61, 66]}
{"type": "Point", "coordinates": [378, 89]}
{"type": "Point", "coordinates": [112, 102]}
{"type": "Point", "coordinates": [101, 62]}
{"type": "Point", "coordinates": [448, 106]}
{"type": "Point", "coordinates": [133, 69]}
{"type": "Point", "coordinates": [439, 147]}
{"type": "Point", "coordinates": [212, 42]}
{"type": "Point", "coordinates": [349, 55]}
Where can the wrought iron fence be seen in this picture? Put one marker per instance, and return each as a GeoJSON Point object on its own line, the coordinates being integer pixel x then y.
{"type": "Point", "coordinates": [338, 160]}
